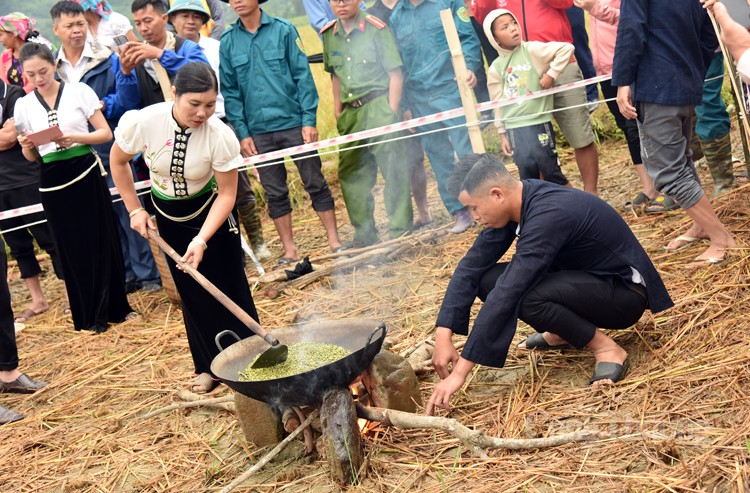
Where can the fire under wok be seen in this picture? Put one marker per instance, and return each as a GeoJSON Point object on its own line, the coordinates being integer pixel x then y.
{"type": "Point", "coordinates": [363, 337]}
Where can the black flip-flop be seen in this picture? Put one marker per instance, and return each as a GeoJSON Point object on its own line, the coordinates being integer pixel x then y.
{"type": "Point", "coordinates": [536, 342]}
{"type": "Point", "coordinates": [607, 370]}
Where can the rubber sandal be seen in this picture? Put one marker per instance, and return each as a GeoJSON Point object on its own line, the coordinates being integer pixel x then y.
{"type": "Point", "coordinates": [286, 261]}
{"type": "Point", "coordinates": [536, 342]}
{"type": "Point", "coordinates": [612, 371]}
{"type": "Point", "coordinates": [662, 203]}
{"type": "Point", "coordinates": [27, 314]}
{"type": "Point", "coordinates": [686, 241]}
{"type": "Point", "coordinates": [639, 201]}
{"type": "Point", "coordinates": [338, 249]}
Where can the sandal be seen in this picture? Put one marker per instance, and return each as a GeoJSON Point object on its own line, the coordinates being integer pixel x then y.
{"type": "Point", "coordinates": [662, 203]}
{"type": "Point", "coordinates": [610, 371]}
{"type": "Point", "coordinates": [28, 314]}
{"type": "Point", "coordinates": [638, 201]}
{"type": "Point", "coordinates": [204, 383]}
{"type": "Point", "coordinates": [286, 261]}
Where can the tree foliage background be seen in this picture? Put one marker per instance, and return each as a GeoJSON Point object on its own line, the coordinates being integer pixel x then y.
{"type": "Point", "coordinates": [39, 10]}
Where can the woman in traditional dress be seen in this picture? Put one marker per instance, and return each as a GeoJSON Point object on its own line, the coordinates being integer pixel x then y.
{"type": "Point", "coordinates": [193, 159]}
{"type": "Point", "coordinates": [75, 197]}
{"type": "Point", "coordinates": [15, 31]}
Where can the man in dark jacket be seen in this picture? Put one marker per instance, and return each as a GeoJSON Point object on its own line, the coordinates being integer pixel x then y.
{"type": "Point", "coordinates": [97, 67]}
{"type": "Point", "coordinates": [662, 52]}
{"type": "Point", "coordinates": [577, 266]}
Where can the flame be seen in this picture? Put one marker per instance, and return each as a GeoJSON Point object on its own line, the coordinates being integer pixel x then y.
{"type": "Point", "coordinates": [362, 423]}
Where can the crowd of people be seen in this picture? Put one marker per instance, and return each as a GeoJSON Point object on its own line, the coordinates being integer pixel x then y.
{"type": "Point", "coordinates": [184, 106]}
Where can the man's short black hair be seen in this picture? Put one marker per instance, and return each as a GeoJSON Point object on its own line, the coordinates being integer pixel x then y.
{"type": "Point", "coordinates": [158, 5]}
{"type": "Point", "coordinates": [66, 7]}
{"type": "Point", "coordinates": [473, 170]}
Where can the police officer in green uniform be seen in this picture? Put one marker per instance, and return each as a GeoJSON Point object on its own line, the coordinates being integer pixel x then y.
{"type": "Point", "coordinates": [361, 54]}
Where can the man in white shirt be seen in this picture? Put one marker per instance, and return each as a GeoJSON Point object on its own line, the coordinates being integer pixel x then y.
{"type": "Point", "coordinates": [188, 18]}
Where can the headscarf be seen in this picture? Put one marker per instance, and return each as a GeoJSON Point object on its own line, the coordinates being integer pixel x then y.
{"type": "Point", "coordinates": [23, 27]}
{"type": "Point", "coordinates": [101, 7]}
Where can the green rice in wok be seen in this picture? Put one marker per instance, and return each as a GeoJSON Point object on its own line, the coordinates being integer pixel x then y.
{"type": "Point", "coordinates": [303, 356]}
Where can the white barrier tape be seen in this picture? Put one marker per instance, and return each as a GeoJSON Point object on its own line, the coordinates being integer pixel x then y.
{"type": "Point", "coordinates": [31, 209]}
{"type": "Point", "coordinates": [416, 122]}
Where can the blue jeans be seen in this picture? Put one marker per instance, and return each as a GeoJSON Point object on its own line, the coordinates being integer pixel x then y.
{"type": "Point", "coordinates": [443, 147]}
{"type": "Point", "coordinates": [583, 52]}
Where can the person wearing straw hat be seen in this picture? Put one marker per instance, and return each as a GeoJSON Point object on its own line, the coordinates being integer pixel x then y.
{"type": "Point", "coordinates": [187, 17]}
{"type": "Point", "coordinates": [577, 266]}
{"type": "Point", "coordinates": [662, 52]}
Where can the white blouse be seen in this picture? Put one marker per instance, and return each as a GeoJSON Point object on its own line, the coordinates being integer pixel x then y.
{"type": "Point", "coordinates": [181, 162]}
{"type": "Point", "coordinates": [77, 103]}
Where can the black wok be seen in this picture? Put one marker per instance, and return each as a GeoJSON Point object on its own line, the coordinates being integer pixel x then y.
{"type": "Point", "coordinates": [363, 337]}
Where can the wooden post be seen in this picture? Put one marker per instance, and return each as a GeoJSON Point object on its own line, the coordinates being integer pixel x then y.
{"type": "Point", "coordinates": [459, 67]}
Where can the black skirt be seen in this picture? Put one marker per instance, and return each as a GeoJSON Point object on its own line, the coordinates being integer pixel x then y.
{"type": "Point", "coordinates": [222, 264]}
{"type": "Point", "coordinates": [84, 226]}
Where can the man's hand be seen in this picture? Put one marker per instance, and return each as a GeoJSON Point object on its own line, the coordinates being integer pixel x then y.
{"type": "Point", "coordinates": [546, 81]}
{"type": "Point", "coordinates": [138, 53]}
{"type": "Point", "coordinates": [471, 79]}
{"type": "Point", "coordinates": [309, 134]}
{"type": "Point", "coordinates": [442, 393]}
{"type": "Point", "coordinates": [587, 4]}
{"type": "Point", "coordinates": [507, 149]}
{"type": "Point", "coordinates": [445, 353]}
{"type": "Point", "coordinates": [708, 4]}
{"type": "Point", "coordinates": [625, 102]}
{"type": "Point", "coordinates": [247, 147]}
{"type": "Point", "coordinates": [408, 115]}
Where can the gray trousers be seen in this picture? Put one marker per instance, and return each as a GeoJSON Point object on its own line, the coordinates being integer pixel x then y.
{"type": "Point", "coordinates": [665, 133]}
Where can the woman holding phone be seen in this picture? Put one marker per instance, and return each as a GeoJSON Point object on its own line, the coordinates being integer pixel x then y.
{"type": "Point", "coordinates": [75, 197]}
{"type": "Point", "coordinates": [193, 158]}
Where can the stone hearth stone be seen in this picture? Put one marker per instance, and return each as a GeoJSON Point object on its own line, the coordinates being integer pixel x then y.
{"type": "Point", "coordinates": [260, 424]}
{"type": "Point", "coordinates": [343, 445]}
{"type": "Point", "coordinates": [391, 383]}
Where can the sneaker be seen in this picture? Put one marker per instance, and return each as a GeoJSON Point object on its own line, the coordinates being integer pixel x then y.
{"type": "Point", "coordinates": [262, 252]}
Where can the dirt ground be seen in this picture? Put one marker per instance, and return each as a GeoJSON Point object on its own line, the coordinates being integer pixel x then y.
{"type": "Point", "coordinates": [678, 422]}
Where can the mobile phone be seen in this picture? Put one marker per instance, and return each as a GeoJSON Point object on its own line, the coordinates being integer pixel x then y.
{"type": "Point", "coordinates": [120, 39]}
{"type": "Point", "coordinates": [739, 10]}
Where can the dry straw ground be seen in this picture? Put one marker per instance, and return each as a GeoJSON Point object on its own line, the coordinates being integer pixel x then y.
{"type": "Point", "coordinates": [679, 422]}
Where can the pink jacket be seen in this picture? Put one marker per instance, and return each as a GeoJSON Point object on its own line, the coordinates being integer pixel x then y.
{"type": "Point", "coordinates": [605, 15]}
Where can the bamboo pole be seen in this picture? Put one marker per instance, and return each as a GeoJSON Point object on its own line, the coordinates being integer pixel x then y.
{"type": "Point", "coordinates": [732, 77]}
{"type": "Point", "coordinates": [459, 67]}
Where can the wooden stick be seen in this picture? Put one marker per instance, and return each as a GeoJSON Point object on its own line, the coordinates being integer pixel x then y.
{"type": "Point", "coordinates": [214, 402]}
{"type": "Point", "coordinates": [270, 455]}
{"type": "Point", "coordinates": [477, 442]}
{"type": "Point", "coordinates": [459, 67]}
{"type": "Point", "coordinates": [732, 78]}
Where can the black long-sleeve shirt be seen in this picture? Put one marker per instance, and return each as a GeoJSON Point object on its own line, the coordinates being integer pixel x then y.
{"type": "Point", "coordinates": [560, 229]}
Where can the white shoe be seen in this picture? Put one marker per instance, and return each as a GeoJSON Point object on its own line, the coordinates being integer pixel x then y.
{"type": "Point", "coordinates": [262, 252]}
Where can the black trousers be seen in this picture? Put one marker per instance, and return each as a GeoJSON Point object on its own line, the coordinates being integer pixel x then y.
{"type": "Point", "coordinates": [8, 349]}
{"type": "Point", "coordinates": [572, 304]}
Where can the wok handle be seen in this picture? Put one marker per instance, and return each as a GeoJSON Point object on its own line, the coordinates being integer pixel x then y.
{"type": "Point", "coordinates": [365, 358]}
{"type": "Point", "coordinates": [223, 333]}
{"type": "Point", "coordinates": [213, 290]}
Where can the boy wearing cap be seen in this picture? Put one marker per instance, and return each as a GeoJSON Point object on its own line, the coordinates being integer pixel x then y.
{"type": "Point", "coordinates": [521, 68]}
{"type": "Point", "coordinates": [361, 55]}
